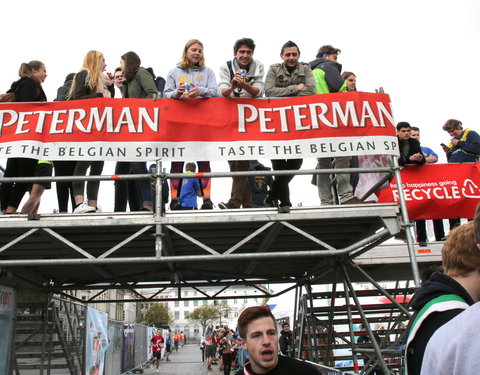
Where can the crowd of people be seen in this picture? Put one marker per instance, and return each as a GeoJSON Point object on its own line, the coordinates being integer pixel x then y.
{"type": "Point", "coordinates": [240, 77]}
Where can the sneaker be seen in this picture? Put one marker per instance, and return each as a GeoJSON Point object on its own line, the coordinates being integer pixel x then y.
{"type": "Point", "coordinates": [84, 208]}
{"type": "Point", "coordinates": [422, 243]}
{"type": "Point", "coordinates": [207, 205]}
{"type": "Point", "coordinates": [227, 206]}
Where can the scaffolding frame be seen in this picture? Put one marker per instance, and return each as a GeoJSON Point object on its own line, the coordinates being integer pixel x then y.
{"type": "Point", "coordinates": [143, 250]}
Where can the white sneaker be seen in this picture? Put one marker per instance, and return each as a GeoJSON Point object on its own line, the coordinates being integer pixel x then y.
{"type": "Point", "coordinates": [83, 208]}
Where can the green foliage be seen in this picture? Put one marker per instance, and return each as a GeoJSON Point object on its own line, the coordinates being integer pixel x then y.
{"type": "Point", "coordinates": [208, 314]}
{"type": "Point", "coordinates": [223, 308]}
{"type": "Point", "coordinates": [155, 314]}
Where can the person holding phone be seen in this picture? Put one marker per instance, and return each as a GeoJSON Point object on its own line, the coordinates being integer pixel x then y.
{"type": "Point", "coordinates": [191, 79]}
{"type": "Point", "coordinates": [464, 147]}
{"type": "Point", "coordinates": [241, 77]}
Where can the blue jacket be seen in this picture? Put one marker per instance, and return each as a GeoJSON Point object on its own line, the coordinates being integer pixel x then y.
{"type": "Point", "coordinates": [467, 149]}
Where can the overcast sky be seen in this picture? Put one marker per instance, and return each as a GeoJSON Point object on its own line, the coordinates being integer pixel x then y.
{"type": "Point", "coordinates": [424, 53]}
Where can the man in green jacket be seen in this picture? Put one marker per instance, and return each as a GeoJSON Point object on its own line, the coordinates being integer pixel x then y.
{"type": "Point", "coordinates": [326, 71]}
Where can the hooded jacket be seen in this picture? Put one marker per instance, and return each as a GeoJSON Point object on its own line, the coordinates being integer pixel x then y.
{"type": "Point", "coordinates": [327, 76]}
{"type": "Point", "coordinates": [28, 90]}
{"type": "Point", "coordinates": [438, 285]}
{"type": "Point", "coordinates": [203, 77]}
{"type": "Point", "coordinates": [141, 86]}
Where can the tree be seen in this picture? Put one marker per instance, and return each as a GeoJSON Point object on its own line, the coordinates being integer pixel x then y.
{"type": "Point", "coordinates": [155, 314]}
{"type": "Point", "coordinates": [204, 315]}
{"type": "Point", "coordinates": [223, 310]}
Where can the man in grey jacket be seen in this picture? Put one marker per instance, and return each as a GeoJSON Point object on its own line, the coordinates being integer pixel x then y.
{"type": "Point", "coordinates": [289, 78]}
{"type": "Point", "coordinates": [241, 77]}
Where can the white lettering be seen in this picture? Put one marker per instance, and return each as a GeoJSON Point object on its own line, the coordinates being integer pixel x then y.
{"type": "Point", "coordinates": [23, 121]}
{"type": "Point", "coordinates": [242, 128]}
{"type": "Point", "coordinates": [299, 117]}
{"type": "Point", "coordinates": [263, 120]}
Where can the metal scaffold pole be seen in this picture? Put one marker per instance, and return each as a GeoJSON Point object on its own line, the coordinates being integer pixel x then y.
{"type": "Point", "coordinates": [158, 209]}
{"type": "Point", "coordinates": [406, 223]}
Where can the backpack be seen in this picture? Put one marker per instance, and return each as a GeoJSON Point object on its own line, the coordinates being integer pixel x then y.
{"type": "Point", "coordinates": [8, 97]}
{"type": "Point", "coordinates": [159, 81]}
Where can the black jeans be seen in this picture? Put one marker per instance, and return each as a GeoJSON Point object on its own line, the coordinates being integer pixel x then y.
{"type": "Point", "coordinates": [227, 363]}
{"type": "Point", "coordinates": [422, 230]}
{"type": "Point", "coordinates": [12, 194]}
{"type": "Point", "coordinates": [64, 188]}
{"type": "Point", "coordinates": [125, 191]}
{"type": "Point", "coordinates": [280, 189]}
{"type": "Point", "coordinates": [96, 168]}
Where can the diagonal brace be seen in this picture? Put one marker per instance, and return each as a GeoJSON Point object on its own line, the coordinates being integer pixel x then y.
{"type": "Point", "coordinates": [68, 243]}
{"type": "Point", "coordinates": [125, 241]}
{"type": "Point", "coordinates": [193, 240]}
{"type": "Point", "coordinates": [18, 239]}
{"type": "Point", "coordinates": [249, 237]}
{"type": "Point", "coordinates": [306, 235]}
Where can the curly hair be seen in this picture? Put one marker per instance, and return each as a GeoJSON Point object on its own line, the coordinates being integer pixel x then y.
{"type": "Point", "coordinates": [460, 253]}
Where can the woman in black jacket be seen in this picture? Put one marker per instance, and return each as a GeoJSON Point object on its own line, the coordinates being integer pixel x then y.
{"type": "Point", "coordinates": [139, 83]}
{"type": "Point", "coordinates": [27, 89]}
{"type": "Point", "coordinates": [91, 82]}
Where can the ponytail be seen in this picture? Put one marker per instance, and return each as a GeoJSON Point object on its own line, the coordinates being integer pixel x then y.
{"type": "Point", "coordinates": [26, 69]}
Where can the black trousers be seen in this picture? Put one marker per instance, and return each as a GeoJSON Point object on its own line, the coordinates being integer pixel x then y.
{"type": "Point", "coordinates": [280, 189]}
{"type": "Point", "coordinates": [421, 227]}
{"type": "Point", "coordinates": [64, 188]}
{"type": "Point", "coordinates": [12, 194]}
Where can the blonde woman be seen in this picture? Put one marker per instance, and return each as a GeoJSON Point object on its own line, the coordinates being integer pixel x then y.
{"type": "Point", "coordinates": [191, 79]}
{"type": "Point", "coordinates": [90, 82]}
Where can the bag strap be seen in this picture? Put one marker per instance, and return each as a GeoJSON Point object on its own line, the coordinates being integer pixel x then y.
{"type": "Point", "coordinates": [230, 69]}
{"type": "Point", "coordinates": [232, 74]}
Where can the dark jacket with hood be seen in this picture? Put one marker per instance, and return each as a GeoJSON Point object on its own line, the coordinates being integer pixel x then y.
{"type": "Point", "coordinates": [28, 90]}
{"type": "Point", "coordinates": [327, 76]}
{"type": "Point", "coordinates": [438, 285]}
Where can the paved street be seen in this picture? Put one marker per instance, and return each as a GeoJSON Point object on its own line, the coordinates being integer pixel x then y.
{"type": "Point", "coordinates": [187, 361]}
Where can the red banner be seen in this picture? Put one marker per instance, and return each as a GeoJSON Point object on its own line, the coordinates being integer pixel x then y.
{"type": "Point", "coordinates": [438, 191]}
{"type": "Point", "coordinates": [200, 129]}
